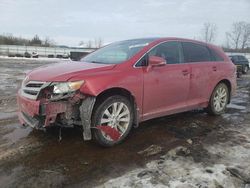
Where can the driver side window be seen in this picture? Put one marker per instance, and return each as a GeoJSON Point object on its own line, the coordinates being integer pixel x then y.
{"type": "Point", "coordinates": [170, 51]}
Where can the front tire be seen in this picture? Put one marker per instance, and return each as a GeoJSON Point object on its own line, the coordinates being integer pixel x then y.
{"type": "Point", "coordinates": [218, 100]}
{"type": "Point", "coordinates": [116, 112]}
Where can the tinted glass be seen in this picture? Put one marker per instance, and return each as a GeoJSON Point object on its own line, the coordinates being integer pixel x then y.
{"type": "Point", "coordinates": [242, 58]}
{"type": "Point", "coordinates": [143, 61]}
{"type": "Point", "coordinates": [170, 51]}
{"type": "Point", "coordinates": [215, 56]}
{"type": "Point", "coordinates": [117, 52]}
{"type": "Point", "coordinates": [246, 59]}
{"type": "Point", "coordinates": [195, 52]}
{"type": "Point", "coordinates": [234, 58]}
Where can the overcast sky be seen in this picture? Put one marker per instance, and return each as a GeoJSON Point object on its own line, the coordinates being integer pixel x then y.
{"type": "Point", "coordinates": [71, 21]}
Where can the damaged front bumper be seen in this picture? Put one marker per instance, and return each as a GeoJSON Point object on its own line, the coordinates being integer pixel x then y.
{"type": "Point", "coordinates": [40, 107]}
{"type": "Point", "coordinates": [66, 110]}
{"type": "Point", "coordinates": [75, 109]}
{"type": "Point", "coordinates": [38, 114]}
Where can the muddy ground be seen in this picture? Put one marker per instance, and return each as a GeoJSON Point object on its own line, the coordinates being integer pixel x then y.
{"type": "Point", "coordinates": [190, 149]}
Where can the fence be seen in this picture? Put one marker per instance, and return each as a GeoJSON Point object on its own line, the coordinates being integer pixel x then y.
{"type": "Point", "coordinates": [42, 51]}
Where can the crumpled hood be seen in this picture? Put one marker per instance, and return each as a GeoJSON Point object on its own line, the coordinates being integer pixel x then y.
{"type": "Point", "coordinates": [65, 70]}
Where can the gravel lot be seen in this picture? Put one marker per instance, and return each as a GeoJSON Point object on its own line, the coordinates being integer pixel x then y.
{"type": "Point", "coordinates": [190, 149]}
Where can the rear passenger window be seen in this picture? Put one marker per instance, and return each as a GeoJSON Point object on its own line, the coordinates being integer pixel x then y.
{"type": "Point", "coordinates": [215, 56]}
{"type": "Point", "coordinates": [195, 52]}
{"type": "Point", "coordinates": [170, 51]}
{"type": "Point", "coordinates": [240, 58]}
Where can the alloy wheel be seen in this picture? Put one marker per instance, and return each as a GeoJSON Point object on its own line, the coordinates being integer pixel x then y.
{"type": "Point", "coordinates": [220, 99]}
{"type": "Point", "coordinates": [117, 116]}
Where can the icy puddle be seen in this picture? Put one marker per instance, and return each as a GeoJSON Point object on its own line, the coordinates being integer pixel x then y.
{"type": "Point", "coordinates": [236, 106]}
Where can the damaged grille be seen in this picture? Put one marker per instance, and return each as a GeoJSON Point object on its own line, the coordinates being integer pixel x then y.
{"type": "Point", "coordinates": [32, 89]}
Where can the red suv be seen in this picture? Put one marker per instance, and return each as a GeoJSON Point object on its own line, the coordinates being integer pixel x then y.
{"type": "Point", "coordinates": [125, 83]}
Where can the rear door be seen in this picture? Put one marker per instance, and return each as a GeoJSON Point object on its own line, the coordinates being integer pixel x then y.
{"type": "Point", "coordinates": [166, 87]}
{"type": "Point", "coordinates": [203, 72]}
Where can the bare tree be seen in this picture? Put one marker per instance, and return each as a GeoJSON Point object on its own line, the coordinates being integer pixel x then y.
{"type": "Point", "coordinates": [48, 42]}
{"type": "Point", "coordinates": [239, 36]}
{"type": "Point", "coordinates": [228, 45]}
{"type": "Point", "coordinates": [36, 41]}
{"type": "Point", "coordinates": [209, 32]}
{"type": "Point", "coordinates": [81, 43]}
{"type": "Point", "coordinates": [89, 44]}
{"type": "Point", "coordinates": [245, 36]}
{"type": "Point", "coordinates": [98, 43]}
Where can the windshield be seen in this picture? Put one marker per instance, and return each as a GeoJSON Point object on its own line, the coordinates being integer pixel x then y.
{"type": "Point", "coordinates": [117, 52]}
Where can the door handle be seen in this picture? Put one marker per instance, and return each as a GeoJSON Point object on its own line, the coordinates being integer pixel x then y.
{"type": "Point", "coordinates": [185, 72]}
{"type": "Point", "coordinates": [214, 68]}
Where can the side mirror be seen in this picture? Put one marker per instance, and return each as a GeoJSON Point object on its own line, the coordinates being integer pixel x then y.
{"type": "Point", "coordinates": [156, 61]}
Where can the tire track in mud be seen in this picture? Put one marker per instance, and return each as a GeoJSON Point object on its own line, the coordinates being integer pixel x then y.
{"type": "Point", "coordinates": [11, 141]}
{"type": "Point", "coordinates": [17, 142]}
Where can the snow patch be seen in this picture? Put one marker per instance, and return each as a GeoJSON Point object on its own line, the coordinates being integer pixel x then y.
{"type": "Point", "coordinates": [236, 106]}
{"type": "Point", "coordinates": [174, 171]}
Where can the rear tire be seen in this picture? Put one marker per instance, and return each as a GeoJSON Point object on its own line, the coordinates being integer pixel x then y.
{"type": "Point", "coordinates": [116, 112]}
{"type": "Point", "coordinates": [218, 100]}
{"type": "Point", "coordinates": [245, 69]}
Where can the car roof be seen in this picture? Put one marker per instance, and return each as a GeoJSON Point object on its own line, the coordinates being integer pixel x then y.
{"type": "Point", "coordinates": [236, 56]}
{"type": "Point", "coordinates": [165, 38]}
{"type": "Point", "coordinates": [162, 39]}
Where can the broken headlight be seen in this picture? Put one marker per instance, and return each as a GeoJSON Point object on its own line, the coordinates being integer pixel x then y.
{"type": "Point", "coordinates": [66, 87]}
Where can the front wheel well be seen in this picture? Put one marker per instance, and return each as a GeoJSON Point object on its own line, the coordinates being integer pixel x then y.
{"type": "Point", "coordinates": [122, 92]}
{"type": "Point", "coordinates": [114, 91]}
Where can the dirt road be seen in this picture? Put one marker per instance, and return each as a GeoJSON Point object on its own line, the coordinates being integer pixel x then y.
{"type": "Point", "coordinates": [191, 149]}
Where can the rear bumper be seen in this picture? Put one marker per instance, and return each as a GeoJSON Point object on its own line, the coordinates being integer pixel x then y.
{"type": "Point", "coordinates": [233, 85]}
{"type": "Point", "coordinates": [239, 69]}
{"type": "Point", "coordinates": [39, 114]}
{"type": "Point", "coordinates": [233, 89]}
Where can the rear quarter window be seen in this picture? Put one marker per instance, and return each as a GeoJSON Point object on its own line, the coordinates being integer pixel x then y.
{"type": "Point", "coordinates": [195, 52]}
{"type": "Point", "coordinates": [215, 56]}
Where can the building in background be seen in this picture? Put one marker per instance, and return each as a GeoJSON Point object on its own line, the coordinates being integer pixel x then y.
{"type": "Point", "coordinates": [38, 51]}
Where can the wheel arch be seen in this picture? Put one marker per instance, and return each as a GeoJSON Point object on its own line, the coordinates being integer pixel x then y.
{"type": "Point", "coordinates": [119, 91]}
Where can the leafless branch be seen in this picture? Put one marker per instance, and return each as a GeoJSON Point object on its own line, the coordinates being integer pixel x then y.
{"type": "Point", "coordinates": [209, 32]}
{"type": "Point", "coordinates": [239, 36]}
